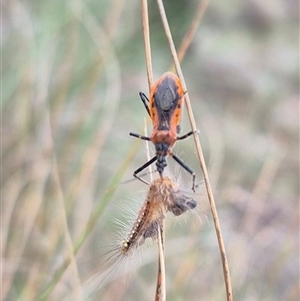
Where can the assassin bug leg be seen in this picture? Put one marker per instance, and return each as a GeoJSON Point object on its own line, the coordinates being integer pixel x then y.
{"type": "Point", "coordinates": [139, 136]}
{"type": "Point", "coordinates": [187, 135]}
{"type": "Point", "coordinates": [182, 164]}
{"type": "Point", "coordinates": [142, 168]}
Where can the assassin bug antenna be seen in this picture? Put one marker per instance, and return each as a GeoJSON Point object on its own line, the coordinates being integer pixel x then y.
{"type": "Point", "coordinates": [145, 101]}
{"type": "Point", "coordinates": [164, 108]}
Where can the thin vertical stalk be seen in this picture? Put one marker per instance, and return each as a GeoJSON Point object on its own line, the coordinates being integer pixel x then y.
{"type": "Point", "coordinates": [147, 43]}
{"type": "Point", "coordinates": [200, 155]}
{"type": "Point", "coordinates": [160, 294]}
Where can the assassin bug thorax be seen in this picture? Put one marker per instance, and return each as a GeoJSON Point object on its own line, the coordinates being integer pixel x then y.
{"type": "Point", "coordinates": [164, 108]}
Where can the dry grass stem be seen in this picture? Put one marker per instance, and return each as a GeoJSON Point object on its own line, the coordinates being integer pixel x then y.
{"type": "Point", "coordinates": [160, 294]}
{"type": "Point", "coordinates": [161, 283]}
{"type": "Point", "coordinates": [200, 154]}
{"type": "Point", "coordinates": [146, 34]}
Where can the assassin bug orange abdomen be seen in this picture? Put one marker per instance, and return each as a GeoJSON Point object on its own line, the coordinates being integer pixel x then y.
{"type": "Point", "coordinates": [164, 108]}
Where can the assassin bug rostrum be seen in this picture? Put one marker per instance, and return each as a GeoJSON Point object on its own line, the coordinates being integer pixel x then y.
{"type": "Point", "coordinates": [164, 109]}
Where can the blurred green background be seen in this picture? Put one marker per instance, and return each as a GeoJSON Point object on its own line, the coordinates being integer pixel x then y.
{"type": "Point", "coordinates": [71, 73]}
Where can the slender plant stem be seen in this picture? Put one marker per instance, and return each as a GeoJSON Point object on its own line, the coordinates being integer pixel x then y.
{"type": "Point", "coordinates": [147, 43]}
{"type": "Point", "coordinates": [200, 155]}
{"type": "Point", "coordinates": [160, 294]}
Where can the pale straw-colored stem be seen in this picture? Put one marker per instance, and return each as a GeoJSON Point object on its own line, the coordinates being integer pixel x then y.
{"type": "Point", "coordinates": [147, 43]}
{"type": "Point", "coordinates": [160, 294]}
{"type": "Point", "coordinates": [200, 155]}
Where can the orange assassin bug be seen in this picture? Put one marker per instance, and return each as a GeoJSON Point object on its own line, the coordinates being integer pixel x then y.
{"type": "Point", "coordinates": [164, 109]}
